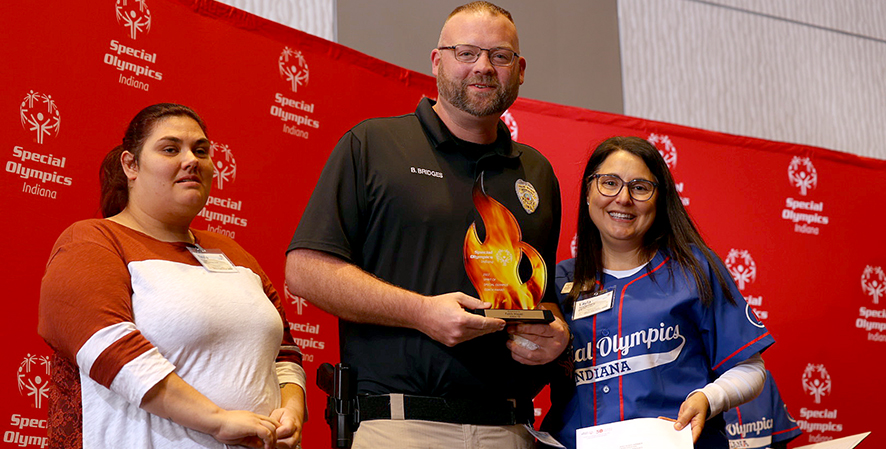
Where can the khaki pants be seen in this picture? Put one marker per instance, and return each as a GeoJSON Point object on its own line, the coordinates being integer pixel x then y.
{"type": "Point", "coordinates": [414, 434]}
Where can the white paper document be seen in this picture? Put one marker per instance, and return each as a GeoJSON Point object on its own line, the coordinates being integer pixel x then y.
{"type": "Point", "coordinates": [840, 443]}
{"type": "Point", "coordinates": [640, 433]}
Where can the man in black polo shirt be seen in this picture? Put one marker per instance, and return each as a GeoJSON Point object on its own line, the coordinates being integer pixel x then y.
{"type": "Point", "coordinates": [380, 246]}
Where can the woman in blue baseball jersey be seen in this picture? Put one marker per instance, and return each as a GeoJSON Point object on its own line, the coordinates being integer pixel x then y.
{"type": "Point", "coordinates": [659, 327]}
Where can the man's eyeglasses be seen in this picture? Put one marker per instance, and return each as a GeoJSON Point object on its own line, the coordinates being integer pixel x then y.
{"type": "Point", "coordinates": [501, 57]}
{"type": "Point", "coordinates": [611, 185]}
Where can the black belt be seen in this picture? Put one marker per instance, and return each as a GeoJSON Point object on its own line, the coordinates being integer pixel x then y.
{"type": "Point", "coordinates": [449, 410]}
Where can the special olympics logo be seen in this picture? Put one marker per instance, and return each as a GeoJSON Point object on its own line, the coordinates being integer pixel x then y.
{"type": "Point", "coordinates": [33, 378]}
{"type": "Point", "coordinates": [873, 282]}
{"type": "Point", "coordinates": [816, 381]}
{"type": "Point", "coordinates": [39, 113]}
{"type": "Point", "coordinates": [741, 266]}
{"type": "Point", "coordinates": [504, 257]}
{"type": "Point", "coordinates": [299, 302]}
{"type": "Point", "coordinates": [225, 165]}
{"type": "Point", "coordinates": [293, 68]}
{"type": "Point", "coordinates": [669, 152]}
{"type": "Point", "coordinates": [802, 174]}
{"type": "Point", "coordinates": [511, 123]}
{"type": "Point", "coordinates": [136, 17]}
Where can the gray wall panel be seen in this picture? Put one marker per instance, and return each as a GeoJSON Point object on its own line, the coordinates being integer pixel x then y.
{"type": "Point", "coordinates": [316, 17]}
{"type": "Point", "coordinates": [737, 71]}
{"type": "Point", "coordinates": [571, 46]}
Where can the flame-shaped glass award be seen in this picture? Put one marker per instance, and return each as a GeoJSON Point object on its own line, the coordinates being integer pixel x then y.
{"type": "Point", "coordinates": [494, 264]}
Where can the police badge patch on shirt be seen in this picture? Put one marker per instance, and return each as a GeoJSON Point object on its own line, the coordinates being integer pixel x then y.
{"type": "Point", "coordinates": [527, 194]}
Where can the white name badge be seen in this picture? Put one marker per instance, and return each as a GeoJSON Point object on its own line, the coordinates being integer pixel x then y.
{"type": "Point", "coordinates": [593, 304]}
{"type": "Point", "coordinates": [213, 260]}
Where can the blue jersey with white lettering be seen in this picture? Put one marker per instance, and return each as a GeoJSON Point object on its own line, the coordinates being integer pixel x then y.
{"type": "Point", "coordinates": [655, 345]}
{"type": "Point", "coordinates": [762, 421]}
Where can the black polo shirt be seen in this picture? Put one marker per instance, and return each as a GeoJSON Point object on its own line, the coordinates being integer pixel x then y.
{"type": "Point", "coordinates": [395, 200]}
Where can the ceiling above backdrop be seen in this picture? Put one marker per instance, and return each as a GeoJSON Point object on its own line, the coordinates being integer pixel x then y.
{"type": "Point", "coordinates": [801, 71]}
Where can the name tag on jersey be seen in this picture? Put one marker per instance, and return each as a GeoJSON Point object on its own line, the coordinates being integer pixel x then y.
{"type": "Point", "coordinates": [213, 260]}
{"type": "Point", "coordinates": [593, 304]}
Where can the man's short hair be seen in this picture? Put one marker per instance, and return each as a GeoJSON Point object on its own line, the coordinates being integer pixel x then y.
{"type": "Point", "coordinates": [481, 7]}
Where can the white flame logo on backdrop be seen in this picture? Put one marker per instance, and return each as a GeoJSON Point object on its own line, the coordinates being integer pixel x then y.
{"type": "Point", "coordinates": [873, 282]}
{"type": "Point", "coordinates": [38, 112]}
{"type": "Point", "coordinates": [802, 174]}
{"type": "Point", "coordinates": [225, 165]}
{"type": "Point", "coordinates": [33, 378]}
{"type": "Point", "coordinates": [298, 301]}
{"type": "Point", "coordinates": [511, 124]}
{"type": "Point", "coordinates": [293, 68]}
{"type": "Point", "coordinates": [816, 381]}
{"type": "Point", "coordinates": [741, 266]}
{"type": "Point", "coordinates": [136, 17]}
{"type": "Point", "coordinates": [669, 152]}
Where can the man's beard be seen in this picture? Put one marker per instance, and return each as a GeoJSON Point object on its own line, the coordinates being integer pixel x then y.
{"type": "Point", "coordinates": [482, 105]}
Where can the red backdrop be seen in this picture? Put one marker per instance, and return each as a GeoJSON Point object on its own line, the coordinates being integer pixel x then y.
{"type": "Point", "coordinates": [800, 227]}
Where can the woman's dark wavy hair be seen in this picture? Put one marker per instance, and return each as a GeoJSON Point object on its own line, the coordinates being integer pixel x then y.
{"type": "Point", "coordinates": [113, 181]}
{"type": "Point", "coordinates": [672, 231]}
